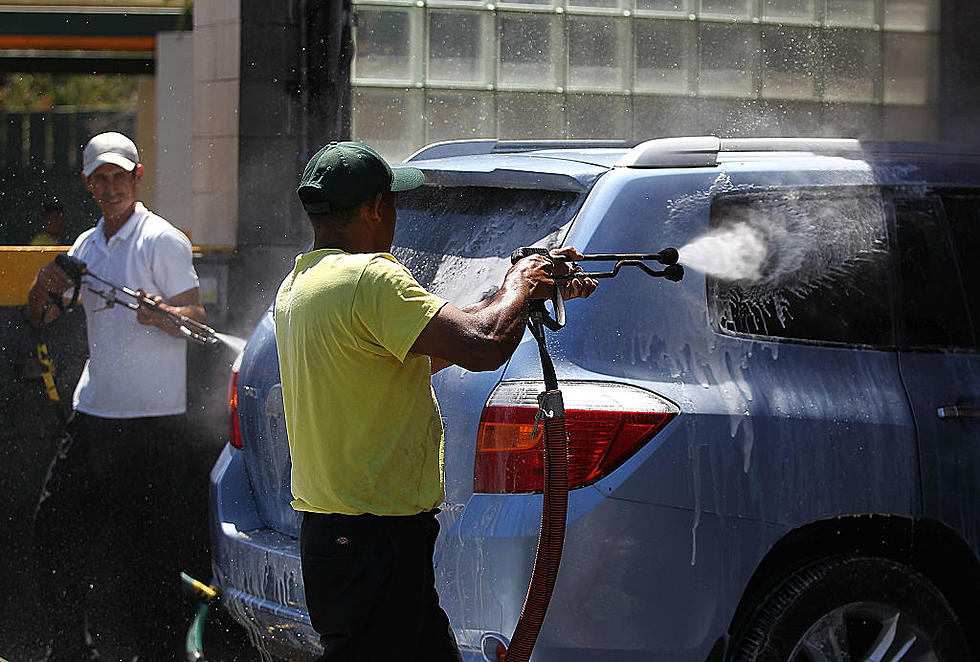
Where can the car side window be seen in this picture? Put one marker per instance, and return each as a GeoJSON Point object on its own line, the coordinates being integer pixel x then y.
{"type": "Point", "coordinates": [824, 276]}
{"type": "Point", "coordinates": [963, 216]}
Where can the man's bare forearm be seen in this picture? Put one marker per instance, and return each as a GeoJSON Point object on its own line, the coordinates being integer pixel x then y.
{"type": "Point", "coordinates": [502, 317]}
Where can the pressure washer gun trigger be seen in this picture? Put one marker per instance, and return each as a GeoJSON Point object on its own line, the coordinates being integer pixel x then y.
{"type": "Point", "coordinates": [75, 269]}
{"type": "Point", "coordinates": [538, 311]}
{"type": "Point", "coordinates": [108, 296]}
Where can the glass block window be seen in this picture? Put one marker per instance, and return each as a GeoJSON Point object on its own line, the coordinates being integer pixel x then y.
{"type": "Point", "coordinates": [909, 123]}
{"type": "Point", "coordinates": [851, 63]}
{"type": "Point", "coordinates": [658, 116]}
{"type": "Point", "coordinates": [852, 119]}
{"type": "Point", "coordinates": [597, 56]}
{"type": "Point", "coordinates": [458, 114]}
{"type": "Point", "coordinates": [729, 60]}
{"type": "Point", "coordinates": [530, 45]}
{"type": "Point", "coordinates": [665, 55]}
{"type": "Point", "coordinates": [526, 115]}
{"type": "Point", "coordinates": [388, 120]}
{"type": "Point", "coordinates": [791, 11]}
{"type": "Point", "coordinates": [911, 70]}
{"type": "Point", "coordinates": [734, 118]}
{"type": "Point", "coordinates": [598, 4]}
{"type": "Point", "coordinates": [857, 13]}
{"type": "Point", "coordinates": [606, 115]}
{"type": "Point", "coordinates": [638, 69]}
{"type": "Point", "coordinates": [918, 15]}
{"type": "Point", "coordinates": [790, 63]}
{"type": "Point", "coordinates": [387, 45]}
{"type": "Point", "coordinates": [791, 118]}
{"type": "Point", "coordinates": [727, 9]}
{"type": "Point", "coordinates": [459, 51]}
{"type": "Point", "coordinates": [528, 3]}
{"type": "Point", "coordinates": [664, 6]}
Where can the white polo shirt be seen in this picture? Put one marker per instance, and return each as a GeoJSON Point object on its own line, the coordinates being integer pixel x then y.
{"type": "Point", "coordinates": [133, 370]}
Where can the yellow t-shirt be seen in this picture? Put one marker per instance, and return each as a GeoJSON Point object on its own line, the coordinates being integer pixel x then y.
{"type": "Point", "coordinates": [365, 433]}
{"type": "Point", "coordinates": [44, 239]}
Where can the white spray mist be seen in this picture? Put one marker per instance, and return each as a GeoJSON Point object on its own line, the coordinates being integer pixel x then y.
{"type": "Point", "coordinates": [731, 253]}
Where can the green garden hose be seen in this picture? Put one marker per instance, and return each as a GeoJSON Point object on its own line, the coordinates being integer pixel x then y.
{"type": "Point", "coordinates": [194, 642]}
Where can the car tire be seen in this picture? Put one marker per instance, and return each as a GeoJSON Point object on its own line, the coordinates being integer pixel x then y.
{"type": "Point", "coordinates": [852, 608]}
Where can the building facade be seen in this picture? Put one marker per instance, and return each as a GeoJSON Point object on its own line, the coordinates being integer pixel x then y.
{"type": "Point", "coordinates": [638, 69]}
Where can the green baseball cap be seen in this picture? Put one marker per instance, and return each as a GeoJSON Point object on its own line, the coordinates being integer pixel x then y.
{"type": "Point", "coordinates": [345, 174]}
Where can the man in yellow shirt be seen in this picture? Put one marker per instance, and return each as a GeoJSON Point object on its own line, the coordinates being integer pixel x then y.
{"type": "Point", "coordinates": [358, 338]}
{"type": "Point", "coordinates": [53, 222]}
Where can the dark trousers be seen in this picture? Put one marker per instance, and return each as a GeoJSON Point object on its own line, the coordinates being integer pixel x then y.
{"type": "Point", "coordinates": [370, 588]}
{"type": "Point", "coordinates": [107, 541]}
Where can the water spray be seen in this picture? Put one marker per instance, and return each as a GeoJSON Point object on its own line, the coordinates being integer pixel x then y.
{"type": "Point", "coordinates": [551, 411]}
{"type": "Point", "coordinates": [189, 328]}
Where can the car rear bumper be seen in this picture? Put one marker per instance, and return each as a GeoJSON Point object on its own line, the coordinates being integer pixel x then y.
{"type": "Point", "coordinates": [257, 569]}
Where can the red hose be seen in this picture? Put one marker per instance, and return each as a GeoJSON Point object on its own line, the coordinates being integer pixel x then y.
{"type": "Point", "coordinates": [551, 539]}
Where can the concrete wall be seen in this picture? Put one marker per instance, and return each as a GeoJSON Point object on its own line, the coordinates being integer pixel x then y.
{"type": "Point", "coordinates": [215, 126]}
{"type": "Point", "coordinates": [174, 119]}
{"type": "Point", "coordinates": [284, 96]}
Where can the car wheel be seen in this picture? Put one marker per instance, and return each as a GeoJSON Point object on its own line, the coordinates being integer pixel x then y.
{"type": "Point", "coordinates": [852, 609]}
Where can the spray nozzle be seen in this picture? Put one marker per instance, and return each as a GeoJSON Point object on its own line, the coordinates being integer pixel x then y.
{"type": "Point", "coordinates": [667, 256]}
{"type": "Point", "coordinates": [674, 272]}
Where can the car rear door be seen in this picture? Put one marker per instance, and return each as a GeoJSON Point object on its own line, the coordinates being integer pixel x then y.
{"type": "Point", "coordinates": [937, 242]}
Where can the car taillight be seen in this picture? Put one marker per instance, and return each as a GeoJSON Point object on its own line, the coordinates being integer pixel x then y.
{"type": "Point", "coordinates": [234, 428]}
{"type": "Point", "coordinates": [607, 423]}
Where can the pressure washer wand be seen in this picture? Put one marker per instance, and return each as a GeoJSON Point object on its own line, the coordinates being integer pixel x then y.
{"type": "Point", "coordinates": [668, 257]}
{"type": "Point", "coordinates": [191, 329]}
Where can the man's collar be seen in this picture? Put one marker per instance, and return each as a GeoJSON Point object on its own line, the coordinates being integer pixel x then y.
{"type": "Point", "coordinates": [128, 227]}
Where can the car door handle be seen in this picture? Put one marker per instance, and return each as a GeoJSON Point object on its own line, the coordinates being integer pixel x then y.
{"type": "Point", "coordinates": [959, 411]}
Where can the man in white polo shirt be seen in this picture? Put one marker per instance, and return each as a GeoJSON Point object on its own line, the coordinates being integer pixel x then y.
{"type": "Point", "coordinates": [107, 524]}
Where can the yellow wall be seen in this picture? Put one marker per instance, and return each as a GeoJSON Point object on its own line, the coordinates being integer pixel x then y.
{"type": "Point", "coordinates": [18, 266]}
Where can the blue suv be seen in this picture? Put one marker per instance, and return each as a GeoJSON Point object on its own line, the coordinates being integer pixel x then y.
{"type": "Point", "coordinates": [776, 458]}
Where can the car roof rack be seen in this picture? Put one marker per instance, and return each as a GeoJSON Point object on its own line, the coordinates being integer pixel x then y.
{"type": "Point", "coordinates": [478, 146]}
{"type": "Point", "coordinates": [694, 151]}
{"type": "Point", "coordinates": [704, 150]}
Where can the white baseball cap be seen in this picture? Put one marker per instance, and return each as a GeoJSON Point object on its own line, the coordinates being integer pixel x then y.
{"type": "Point", "coordinates": [109, 147]}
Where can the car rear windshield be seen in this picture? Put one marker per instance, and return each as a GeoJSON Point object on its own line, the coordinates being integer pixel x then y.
{"type": "Point", "coordinates": [825, 273]}
{"type": "Point", "coordinates": [457, 241]}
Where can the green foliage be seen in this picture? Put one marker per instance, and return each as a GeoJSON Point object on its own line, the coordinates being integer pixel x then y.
{"type": "Point", "coordinates": [42, 91]}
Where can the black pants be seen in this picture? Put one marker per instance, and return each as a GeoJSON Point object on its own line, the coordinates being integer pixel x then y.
{"type": "Point", "coordinates": [370, 588]}
{"type": "Point", "coordinates": [107, 537]}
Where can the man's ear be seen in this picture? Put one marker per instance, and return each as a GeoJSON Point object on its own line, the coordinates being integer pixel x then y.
{"type": "Point", "coordinates": [138, 171]}
{"type": "Point", "coordinates": [88, 187]}
{"type": "Point", "coordinates": [374, 206]}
